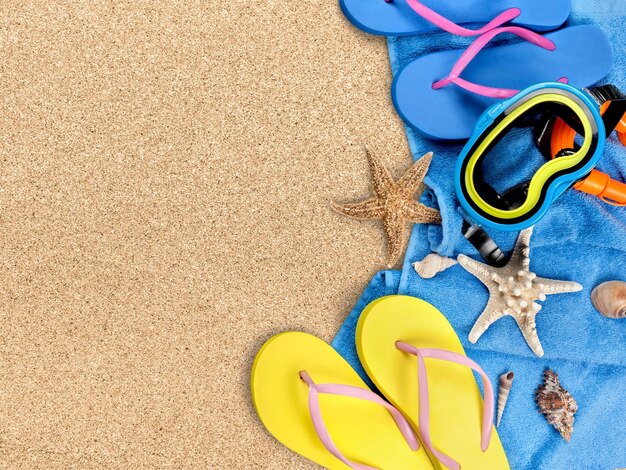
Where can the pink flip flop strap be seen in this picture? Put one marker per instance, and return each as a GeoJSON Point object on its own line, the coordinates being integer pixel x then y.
{"type": "Point", "coordinates": [424, 407]}
{"type": "Point", "coordinates": [444, 23]}
{"type": "Point", "coordinates": [353, 392]}
{"type": "Point", "coordinates": [474, 48]}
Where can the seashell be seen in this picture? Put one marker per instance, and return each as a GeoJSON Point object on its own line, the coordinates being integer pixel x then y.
{"type": "Point", "coordinates": [557, 404]}
{"type": "Point", "coordinates": [506, 380]}
{"type": "Point", "coordinates": [432, 264]}
{"type": "Point", "coordinates": [609, 298]}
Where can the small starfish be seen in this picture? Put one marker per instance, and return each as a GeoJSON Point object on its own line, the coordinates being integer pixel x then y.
{"type": "Point", "coordinates": [393, 202]}
{"type": "Point", "coordinates": [514, 290]}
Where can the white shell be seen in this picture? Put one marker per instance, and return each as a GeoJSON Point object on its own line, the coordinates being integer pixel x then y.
{"type": "Point", "coordinates": [432, 264]}
{"type": "Point", "coordinates": [609, 298]}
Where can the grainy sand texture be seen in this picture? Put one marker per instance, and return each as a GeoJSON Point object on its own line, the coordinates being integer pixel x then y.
{"type": "Point", "coordinates": [165, 177]}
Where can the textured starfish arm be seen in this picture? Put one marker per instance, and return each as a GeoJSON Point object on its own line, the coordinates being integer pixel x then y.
{"type": "Point", "coordinates": [369, 209]}
{"type": "Point", "coordinates": [521, 251]}
{"type": "Point", "coordinates": [420, 214]}
{"type": "Point", "coordinates": [528, 327]}
{"type": "Point", "coordinates": [396, 238]}
{"type": "Point", "coordinates": [490, 314]}
{"type": "Point", "coordinates": [411, 180]}
{"type": "Point", "coordinates": [382, 182]}
{"type": "Point", "coordinates": [479, 270]}
{"type": "Point", "coordinates": [553, 286]}
{"type": "Point", "coordinates": [523, 240]}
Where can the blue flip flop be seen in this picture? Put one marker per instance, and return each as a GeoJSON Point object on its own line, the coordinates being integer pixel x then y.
{"type": "Point", "coordinates": [407, 17]}
{"type": "Point", "coordinates": [443, 94]}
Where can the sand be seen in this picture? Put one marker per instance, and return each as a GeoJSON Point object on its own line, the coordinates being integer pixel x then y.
{"type": "Point", "coordinates": [165, 181]}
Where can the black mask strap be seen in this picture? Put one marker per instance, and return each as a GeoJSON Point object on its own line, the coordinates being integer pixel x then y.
{"type": "Point", "coordinates": [616, 107]}
{"type": "Point", "coordinates": [485, 245]}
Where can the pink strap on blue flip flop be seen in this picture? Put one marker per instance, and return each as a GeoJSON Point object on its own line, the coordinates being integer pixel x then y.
{"type": "Point", "coordinates": [476, 47]}
{"type": "Point", "coordinates": [353, 392]}
{"type": "Point", "coordinates": [407, 17]}
{"type": "Point", "coordinates": [445, 24]}
{"type": "Point", "coordinates": [424, 406]}
{"type": "Point", "coordinates": [581, 53]}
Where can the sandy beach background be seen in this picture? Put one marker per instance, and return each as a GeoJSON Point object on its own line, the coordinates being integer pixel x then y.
{"type": "Point", "coordinates": [165, 177]}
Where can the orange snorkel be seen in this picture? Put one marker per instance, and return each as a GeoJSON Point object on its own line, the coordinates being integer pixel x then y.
{"type": "Point", "coordinates": [596, 183]}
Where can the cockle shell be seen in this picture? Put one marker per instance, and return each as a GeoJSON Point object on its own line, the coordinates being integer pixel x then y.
{"type": "Point", "coordinates": [557, 404]}
{"type": "Point", "coordinates": [609, 298]}
{"type": "Point", "coordinates": [432, 264]}
{"type": "Point", "coordinates": [506, 380]}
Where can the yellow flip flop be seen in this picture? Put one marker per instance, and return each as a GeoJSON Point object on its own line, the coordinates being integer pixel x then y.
{"type": "Point", "coordinates": [313, 402]}
{"type": "Point", "coordinates": [414, 357]}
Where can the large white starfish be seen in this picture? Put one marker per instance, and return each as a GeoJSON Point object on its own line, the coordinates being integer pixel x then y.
{"type": "Point", "coordinates": [514, 290]}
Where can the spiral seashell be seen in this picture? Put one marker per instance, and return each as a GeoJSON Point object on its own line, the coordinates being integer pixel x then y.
{"type": "Point", "coordinates": [556, 404]}
{"type": "Point", "coordinates": [432, 264]}
{"type": "Point", "coordinates": [609, 298]}
{"type": "Point", "coordinates": [506, 380]}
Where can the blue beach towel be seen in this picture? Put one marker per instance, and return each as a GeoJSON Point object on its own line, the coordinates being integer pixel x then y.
{"type": "Point", "coordinates": [580, 239]}
{"type": "Point", "coordinates": [383, 283]}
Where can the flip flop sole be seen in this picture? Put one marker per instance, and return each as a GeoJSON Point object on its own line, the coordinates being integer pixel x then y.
{"type": "Point", "coordinates": [396, 18]}
{"type": "Point", "coordinates": [455, 400]}
{"type": "Point", "coordinates": [363, 431]}
{"type": "Point", "coordinates": [583, 55]}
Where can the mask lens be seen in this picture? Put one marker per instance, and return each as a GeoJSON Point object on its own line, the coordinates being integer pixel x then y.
{"type": "Point", "coordinates": [513, 158]}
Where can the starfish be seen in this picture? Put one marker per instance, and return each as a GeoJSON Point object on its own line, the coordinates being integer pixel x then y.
{"type": "Point", "coordinates": [393, 203]}
{"type": "Point", "coordinates": [514, 290]}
